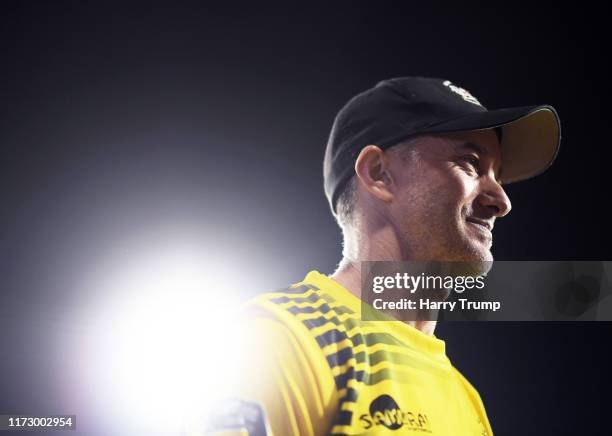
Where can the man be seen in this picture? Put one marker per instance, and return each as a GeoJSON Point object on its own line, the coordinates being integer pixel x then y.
{"type": "Point", "coordinates": [413, 170]}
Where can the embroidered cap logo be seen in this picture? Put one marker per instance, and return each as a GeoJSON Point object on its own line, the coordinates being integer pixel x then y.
{"type": "Point", "coordinates": [462, 92]}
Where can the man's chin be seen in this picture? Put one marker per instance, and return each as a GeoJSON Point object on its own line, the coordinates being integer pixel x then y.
{"type": "Point", "coordinates": [476, 262]}
{"type": "Point", "coordinates": [476, 268]}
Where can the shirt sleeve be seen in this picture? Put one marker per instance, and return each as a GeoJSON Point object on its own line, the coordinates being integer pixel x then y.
{"type": "Point", "coordinates": [284, 384]}
{"type": "Point", "coordinates": [294, 386]}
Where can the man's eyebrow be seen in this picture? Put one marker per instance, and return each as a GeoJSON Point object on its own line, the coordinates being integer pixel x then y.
{"type": "Point", "coordinates": [480, 151]}
{"type": "Point", "coordinates": [474, 147]}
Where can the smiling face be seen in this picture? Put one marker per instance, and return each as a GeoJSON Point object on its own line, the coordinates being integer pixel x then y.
{"type": "Point", "coordinates": [447, 196]}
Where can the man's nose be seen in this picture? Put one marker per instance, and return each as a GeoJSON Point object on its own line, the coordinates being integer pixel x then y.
{"type": "Point", "coordinates": [494, 198]}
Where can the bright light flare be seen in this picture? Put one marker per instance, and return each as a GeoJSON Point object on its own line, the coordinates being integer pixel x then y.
{"type": "Point", "coordinates": [165, 345]}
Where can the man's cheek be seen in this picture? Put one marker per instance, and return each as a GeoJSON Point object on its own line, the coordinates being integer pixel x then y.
{"type": "Point", "coordinates": [461, 184]}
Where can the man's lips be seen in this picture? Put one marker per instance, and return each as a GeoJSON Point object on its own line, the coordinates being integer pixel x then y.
{"type": "Point", "coordinates": [486, 224]}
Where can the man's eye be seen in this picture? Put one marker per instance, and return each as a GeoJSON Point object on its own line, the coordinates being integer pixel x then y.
{"type": "Point", "coordinates": [473, 161]}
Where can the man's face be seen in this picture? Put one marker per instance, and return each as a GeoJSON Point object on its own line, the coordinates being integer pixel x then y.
{"type": "Point", "coordinates": [448, 197]}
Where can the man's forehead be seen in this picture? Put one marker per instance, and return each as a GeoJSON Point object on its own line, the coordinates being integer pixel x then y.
{"type": "Point", "coordinates": [473, 146]}
{"type": "Point", "coordinates": [482, 142]}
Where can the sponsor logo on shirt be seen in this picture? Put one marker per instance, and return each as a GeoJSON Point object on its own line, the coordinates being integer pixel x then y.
{"type": "Point", "coordinates": [384, 411]}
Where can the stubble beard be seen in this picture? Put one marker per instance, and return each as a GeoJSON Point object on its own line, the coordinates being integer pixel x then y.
{"type": "Point", "coordinates": [450, 244]}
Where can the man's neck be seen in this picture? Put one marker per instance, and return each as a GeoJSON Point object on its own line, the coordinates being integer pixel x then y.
{"type": "Point", "coordinates": [348, 275]}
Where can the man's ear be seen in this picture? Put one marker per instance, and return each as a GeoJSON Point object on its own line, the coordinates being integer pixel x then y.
{"type": "Point", "coordinates": [372, 169]}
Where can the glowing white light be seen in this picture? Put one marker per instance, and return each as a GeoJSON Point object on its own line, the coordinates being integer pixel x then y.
{"type": "Point", "coordinates": [165, 343]}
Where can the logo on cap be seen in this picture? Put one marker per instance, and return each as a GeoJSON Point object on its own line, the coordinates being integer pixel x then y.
{"type": "Point", "coordinates": [462, 92]}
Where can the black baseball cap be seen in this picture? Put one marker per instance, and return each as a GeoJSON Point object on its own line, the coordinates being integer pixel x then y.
{"type": "Point", "coordinates": [397, 109]}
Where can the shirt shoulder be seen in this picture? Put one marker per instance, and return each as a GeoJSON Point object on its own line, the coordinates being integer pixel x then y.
{"type": "Point", "coordinates": [285, 371]}
{"type": "Point", "coordinates": [313, 313]}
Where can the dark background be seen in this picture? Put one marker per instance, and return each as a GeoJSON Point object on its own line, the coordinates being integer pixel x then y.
{"type": "Point", "coordinates": [124, 121]}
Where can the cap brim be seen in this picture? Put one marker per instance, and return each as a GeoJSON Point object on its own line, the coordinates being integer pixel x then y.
{"type": "Point", "coordinates": [531, 136]}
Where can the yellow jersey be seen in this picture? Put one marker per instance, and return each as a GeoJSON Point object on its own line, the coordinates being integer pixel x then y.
{"type": "Point", "coordinates": [313, 367]}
